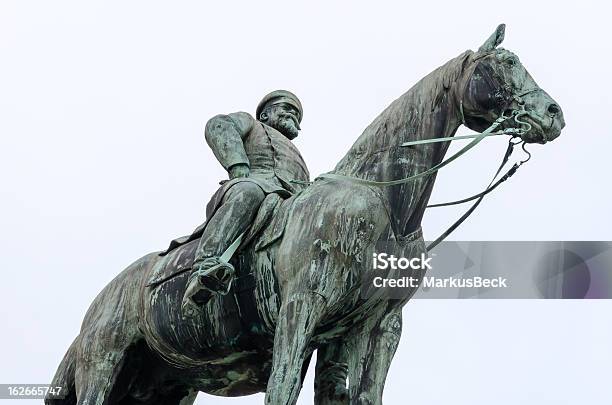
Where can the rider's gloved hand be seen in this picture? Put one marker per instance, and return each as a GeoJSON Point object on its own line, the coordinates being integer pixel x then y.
{"type": "Point", "coordinates": [239, 170]}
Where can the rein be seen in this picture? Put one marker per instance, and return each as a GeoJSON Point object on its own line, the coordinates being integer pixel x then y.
{"type": "Point", "coordinates": [477, 139]}
{"type": "Point", "coordinates": [516, 114]}
{"type": "Point", "coordinates": [480, 196]}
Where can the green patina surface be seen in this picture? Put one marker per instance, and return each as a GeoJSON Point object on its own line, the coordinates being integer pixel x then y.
{"type": "Point", "coordinates": [296, 282]}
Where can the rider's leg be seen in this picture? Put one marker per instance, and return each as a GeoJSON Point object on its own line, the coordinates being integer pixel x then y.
{"type": "Point", "coordinates": [235, 214]}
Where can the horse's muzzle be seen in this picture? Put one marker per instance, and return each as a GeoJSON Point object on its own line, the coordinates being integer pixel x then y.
{"type": "Point", "coordinates": [544, 116]}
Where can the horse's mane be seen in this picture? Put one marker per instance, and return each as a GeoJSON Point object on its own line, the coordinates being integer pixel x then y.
{"type": "Point", "coordinates": [402, 119]}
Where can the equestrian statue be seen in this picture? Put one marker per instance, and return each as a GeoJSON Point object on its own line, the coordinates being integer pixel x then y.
{"type": "Point", "coordinates": [280, 269]}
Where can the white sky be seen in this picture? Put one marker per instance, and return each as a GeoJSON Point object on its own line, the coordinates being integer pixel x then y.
{"type": "Point", "coordinates": [102, 159]}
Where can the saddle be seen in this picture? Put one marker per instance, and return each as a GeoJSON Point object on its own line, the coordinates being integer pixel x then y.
{"type": "Point", "coordinates": [267, 228]}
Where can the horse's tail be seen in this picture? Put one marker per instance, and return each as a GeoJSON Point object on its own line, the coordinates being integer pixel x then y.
{"type": "Point", "coordinates": [64, 378]}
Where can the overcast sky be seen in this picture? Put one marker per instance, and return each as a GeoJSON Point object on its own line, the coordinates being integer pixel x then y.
{"type": "Point", "coordinates": [103, 159]}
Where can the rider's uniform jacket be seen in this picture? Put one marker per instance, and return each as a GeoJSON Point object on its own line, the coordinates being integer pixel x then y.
{"type": "Point", "coordinates": [273, 159]}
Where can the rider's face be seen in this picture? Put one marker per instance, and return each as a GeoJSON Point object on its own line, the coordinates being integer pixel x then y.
{"type": "Point", "coordinates": [284, 118]}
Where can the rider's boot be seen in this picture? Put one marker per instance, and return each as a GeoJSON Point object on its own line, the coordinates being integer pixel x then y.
{"type": "Point", "coordinates": [211, 276]}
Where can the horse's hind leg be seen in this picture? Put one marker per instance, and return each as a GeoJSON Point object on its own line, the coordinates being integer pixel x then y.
{"type": "Point", "coordinates": [298, 317]}
{"type": "Point", "coordinates": [99, 362]}
{"type": "Point", "coordinates": [109, 331]}
{"type": "Point", "coordinates": [96, 381]}
{"type": "Point", "coordinates": [104, 347]}
{"type": "Point", "coordinates": [371, 349]}
{"type": "Point", "coordinates": [64, 377]}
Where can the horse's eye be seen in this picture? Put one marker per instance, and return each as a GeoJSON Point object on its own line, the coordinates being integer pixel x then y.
{"type": "Point", "coordinates": [511, 62]}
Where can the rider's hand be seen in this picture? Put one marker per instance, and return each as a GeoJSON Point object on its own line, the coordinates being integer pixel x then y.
{"type": "Point", "coordinates": [239, 170]}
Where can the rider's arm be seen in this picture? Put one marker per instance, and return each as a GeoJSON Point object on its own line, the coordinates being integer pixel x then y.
{"type": "Point", "coordinates": [224, 135]}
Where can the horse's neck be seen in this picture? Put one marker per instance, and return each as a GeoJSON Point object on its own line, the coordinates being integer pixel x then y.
{"type": "Point", "coordinates": [428, 110]}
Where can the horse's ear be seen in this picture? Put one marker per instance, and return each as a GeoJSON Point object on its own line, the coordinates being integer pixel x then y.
{"type": "Point", "coordinates": [494, 40]}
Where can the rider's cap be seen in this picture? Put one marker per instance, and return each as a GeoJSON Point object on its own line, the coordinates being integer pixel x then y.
{"type": "Point", "coordinates": [280, 96]}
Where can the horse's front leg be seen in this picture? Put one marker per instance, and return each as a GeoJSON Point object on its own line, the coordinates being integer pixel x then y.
{"type": "Point", "coordinates": [331, 374]}
{"type": "Point", "coordinates": [371, 350]}
{"type": "Point", "coordinates": [298, 317]}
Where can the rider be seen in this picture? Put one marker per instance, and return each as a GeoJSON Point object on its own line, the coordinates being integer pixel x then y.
{"type": "Point", "coordinates": [260, 159]}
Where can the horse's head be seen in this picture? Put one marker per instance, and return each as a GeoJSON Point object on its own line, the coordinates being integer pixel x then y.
{"type": "Point", "coordinates": [497, 83]}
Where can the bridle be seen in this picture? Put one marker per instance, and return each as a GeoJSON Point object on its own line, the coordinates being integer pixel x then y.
{"type": "Point", "coordinates": [522, 127]}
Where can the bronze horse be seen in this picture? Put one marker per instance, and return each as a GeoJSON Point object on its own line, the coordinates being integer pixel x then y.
{"type": "Point", "coordinates": [300, 279]}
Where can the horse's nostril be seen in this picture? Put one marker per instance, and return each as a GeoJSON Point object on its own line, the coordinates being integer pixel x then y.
{"type": "Point", "coordinates": [554, 109]}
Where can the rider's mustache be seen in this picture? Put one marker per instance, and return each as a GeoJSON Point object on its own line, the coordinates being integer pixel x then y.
{"type": "Point", "coordinates": [293, 118]}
